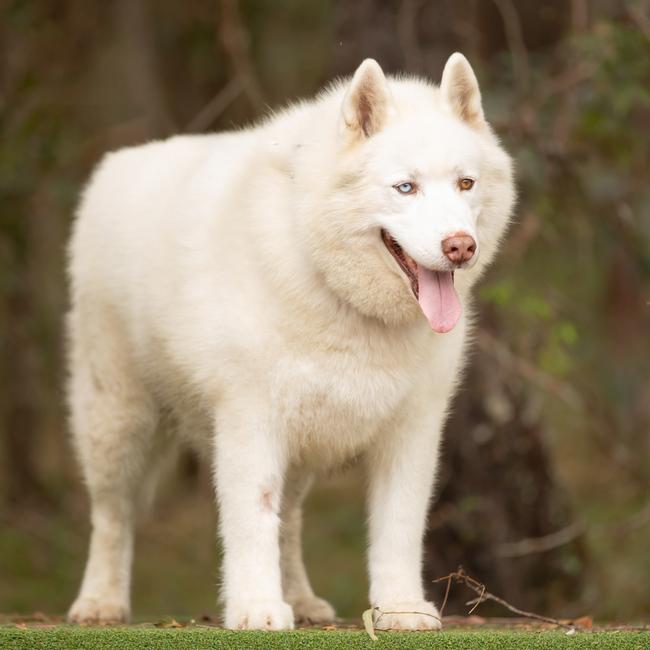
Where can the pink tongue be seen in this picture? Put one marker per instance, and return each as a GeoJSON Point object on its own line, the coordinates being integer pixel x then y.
{"type": "Point", "coordinates": [438, 299]}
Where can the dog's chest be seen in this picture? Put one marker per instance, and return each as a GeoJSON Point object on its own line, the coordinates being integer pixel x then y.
{"type": "Point", "coordinates": [331, 405]}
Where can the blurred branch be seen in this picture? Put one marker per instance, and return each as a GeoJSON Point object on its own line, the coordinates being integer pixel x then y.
{"type": "Point", "coordinates": [638, 12]}
{"type": "Point", "coordinates": [528, 227]}
{"type": "Point", "coordinates": [575, 399]}
{"type": "Point", "coordinates": [531, 545]}
{"type": "Point", "coordinates": [465, 24]}
{"type": "Point", "coordinates": [573, 76]}
{"type": "Point", "coordinates": [553, 88]}
{"type": "Point", "coordinates": [139, 63]}
{"type": "Point", "coordinates": [407, 33]}
{"type": "Point", "coordinates": [38, 526]}
{"type": "Point", "coordinates": [579, 15]}
{"type": "Point", "coordinates": [215, 107]}
{"type": "Point", "coordinates": [542, 544]}
{"type": "Point", "coordinates": [637, 520]}
{"type": "Point", "coordinates": [516, 44]}
{"type": "Point", "coordinates": [20, 417]}
{"type": "Point", "coordinates": [497, 350]}
{"type": "Point", "coordinates": [236, 43]}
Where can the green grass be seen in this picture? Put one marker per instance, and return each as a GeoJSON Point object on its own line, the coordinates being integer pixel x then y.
{"type": "Point", "coordinates": [145, 638]}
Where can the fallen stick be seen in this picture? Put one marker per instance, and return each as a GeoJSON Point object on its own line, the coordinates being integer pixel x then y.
{"type": "Point", "coordinates": [483, 594]}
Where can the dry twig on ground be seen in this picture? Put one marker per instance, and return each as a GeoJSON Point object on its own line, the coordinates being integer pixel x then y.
{"type": "Point", "coordinates": [483, 594]}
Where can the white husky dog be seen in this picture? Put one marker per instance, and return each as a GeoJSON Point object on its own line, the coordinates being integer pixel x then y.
{"type": "Point", "coordinates": [286, 298]}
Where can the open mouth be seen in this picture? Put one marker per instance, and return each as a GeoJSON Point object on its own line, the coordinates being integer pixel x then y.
{"type": "Point", "coordinates": [406, 263]}
{"type": "Point", "coordinates": [434, 290]}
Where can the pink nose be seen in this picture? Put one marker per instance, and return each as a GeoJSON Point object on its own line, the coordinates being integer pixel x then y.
{"type": "Point", "coordinates": [459, 248]}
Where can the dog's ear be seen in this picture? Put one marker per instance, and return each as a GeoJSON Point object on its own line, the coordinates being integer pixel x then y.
{"type": "Point", "coordinates": [367, 100]}
{"type": "Point", "coordinates": [459, 89]}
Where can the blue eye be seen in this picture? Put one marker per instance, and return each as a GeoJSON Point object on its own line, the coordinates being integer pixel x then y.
{"type": "Point", "coordinates": [405, 188]}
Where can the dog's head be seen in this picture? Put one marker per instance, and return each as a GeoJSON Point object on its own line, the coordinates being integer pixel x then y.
{"type": "Point", "coordinates": [422, 194]}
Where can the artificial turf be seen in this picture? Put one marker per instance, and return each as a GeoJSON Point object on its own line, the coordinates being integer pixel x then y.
{"type": "Point", "coordinates": [151, 638]}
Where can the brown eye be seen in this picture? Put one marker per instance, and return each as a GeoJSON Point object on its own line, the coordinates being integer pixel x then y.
{"type": "Point", "coordinates": [465, 184]}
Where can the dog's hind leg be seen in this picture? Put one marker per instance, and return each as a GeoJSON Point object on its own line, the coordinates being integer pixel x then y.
{"type": "Point", "coordinates": [307, 607]}
{"type": "Point", "coordinates": [113, 422]}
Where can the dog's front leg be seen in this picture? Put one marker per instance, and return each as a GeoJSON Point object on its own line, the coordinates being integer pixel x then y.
{"type": "Point", "coordinates": [401, 468]}
{"type": "Point", "coordinates": [249, 473]}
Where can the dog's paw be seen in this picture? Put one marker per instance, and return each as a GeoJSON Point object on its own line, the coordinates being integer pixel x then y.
{"type": "Point", "coordinates": [95, 611]}
{"type": "Point", "coordinates": [313, 610]}
{"type": "Point", "coordinates": [259, 615]}
{"type": "Point", "coordinates": [418, 615]}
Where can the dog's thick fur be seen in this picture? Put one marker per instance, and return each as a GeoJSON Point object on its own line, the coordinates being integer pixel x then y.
{"type": "Point", "coordinates": [234, 290]}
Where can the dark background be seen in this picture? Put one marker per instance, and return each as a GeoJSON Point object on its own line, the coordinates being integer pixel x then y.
{"type": "Point", "coordinates": [545, 484]}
